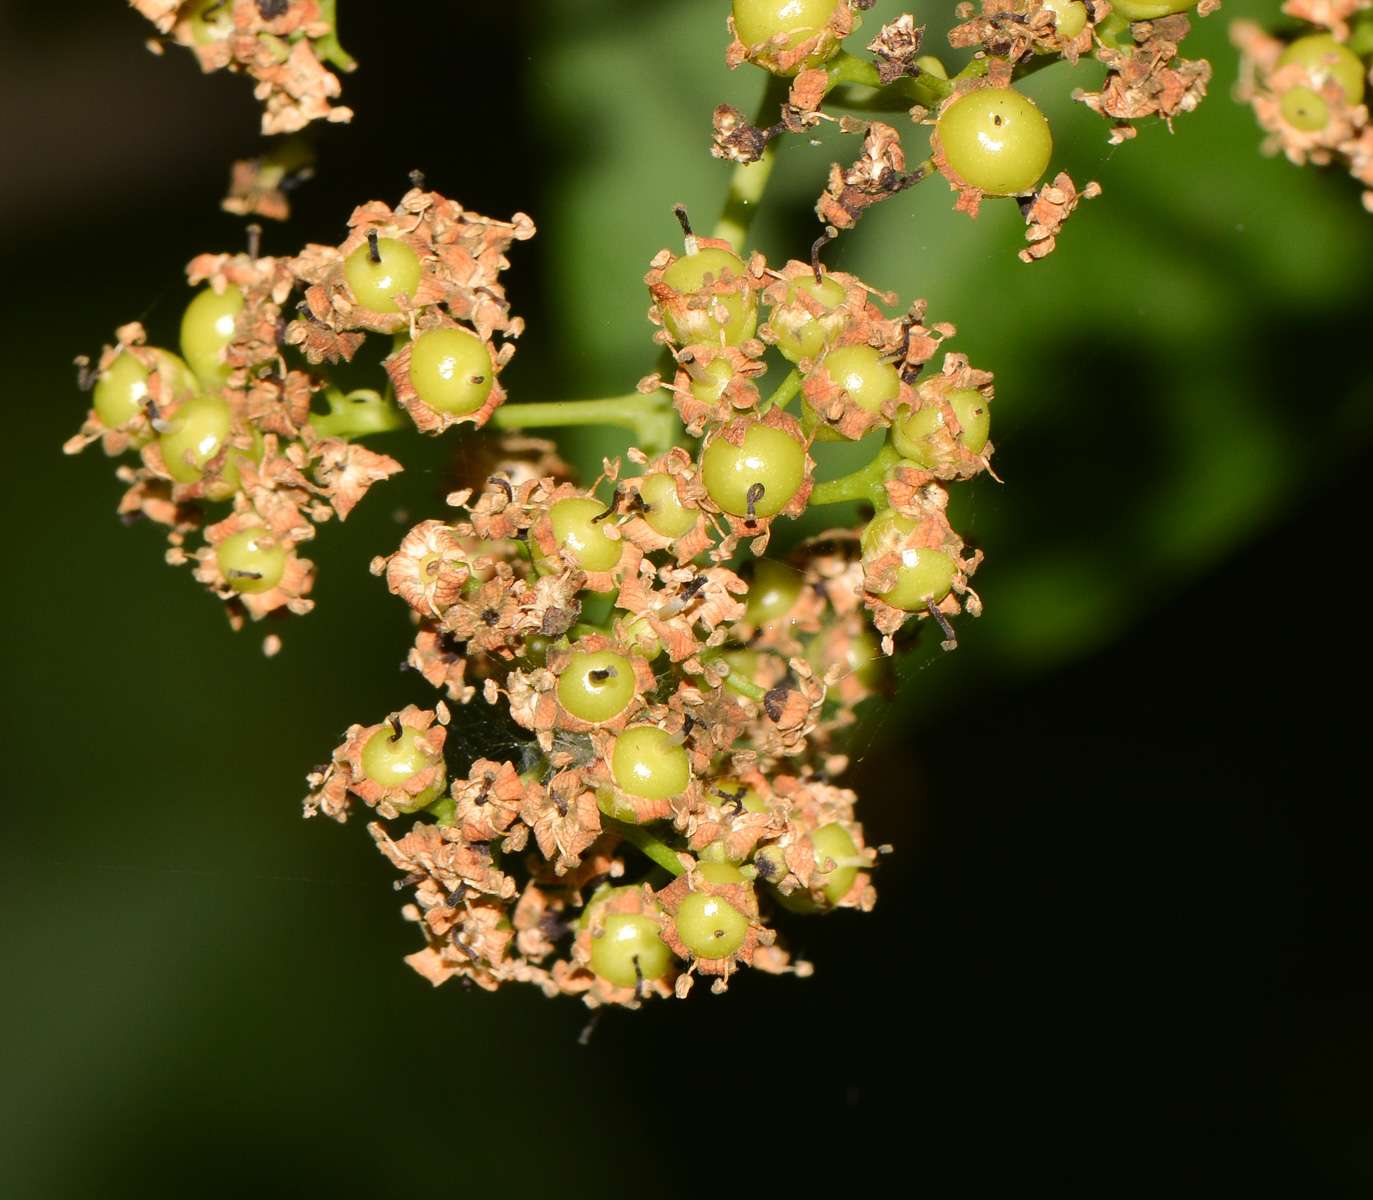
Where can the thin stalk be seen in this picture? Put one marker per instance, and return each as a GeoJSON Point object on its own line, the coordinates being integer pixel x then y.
{"type": "Point", "coordinates": [651, 417]}
{"type": "Point", "coordinates": [750, 180]}
{"type": "Point", "coordinates": [328, 46]}
{"type": "Point", "coordinates": [786, 391]}
{"type": "Point", "coordinates": [356, 415]}
{"type": "Point", "coordinates": [845, 68]}
{"type": "Point", "coordinates": [864, 484]}
{"type": "Point", "coordinates": [640, 838]}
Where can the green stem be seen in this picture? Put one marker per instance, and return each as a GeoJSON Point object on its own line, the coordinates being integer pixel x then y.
{"type": "Point", "coordinates": [864, 484]}
{"type": "Point", "coordinates": [651, 417]}
{"type": "Point", "coordinates": [356, 415]}
{"type": "Point", "coordinates": [640, 838]}
{"type": "Point", "coordinates": [845, 68]}
{"type": "Point", "coordinates": [786, 390]}
{"type": "Point", "coordinates": [328, 46]}
{"type": "Point", "coordinates": [750, 180]}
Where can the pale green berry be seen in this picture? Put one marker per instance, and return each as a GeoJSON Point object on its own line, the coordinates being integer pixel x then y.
{"type": "Point", "coordinates": [914, 433]}
{"type": "Point", "coordinates": [451, 370]}
{"type": "Point", "coordinates": [1071, 16]}
{"type": "Point", "coordinates": [1323, 58]}
{"type": "Point", "coordinates": [997, 140]}
{"type": "Point", "coordinates": [195, 435]}
{"type": "Point", "coordinates": [252, 561]}
{"type": "Point", "coordinates": [390, 759]}
{"type": "Point", "coordinates": [627, 941]}
{"type": "Point", "coordinates": [792, 21]}
{"type": "Point", "coordinates": [707, 925]}
{"type": "Point", "coordinates": [581, 537]}
{"type": "Point", "coordinates": [376, 284]}
{"type": "Point", "coordinates": [210, 20]}
{"type": "Point", "coordinates": [207, 327]}
{"type": "Point", "coordinates": [688, 273]}
{"type": "Point", "coordinates": [932, 66]}
{"type": "Point", "coordinates": [596, 687]}
{"type": "Point", "coordinates": [718, 372]}
{"type": "Point", "coordinates": [772, 591]}
{"type": "Point", "coordinates": [857, 653]}
{"type": "Point", "coordinates": [666, 513]}
{"type": "Point", "coordinates": [650, 763]}
{"type": "Point", "coordinates": [800, 335]}
{"type": "Point", "coordinates": [924, 576]}
{"type": "Point", "coordinates": [1148, 10]}
{"type": "Point", "coordinates": [121, 391]}
{"type": "Point", "coordinates": [860, 371]}
{"type": "Point", "coordinates": [757, 478]}
{"type": "Point", "coordinates": [832, 844]}
{"type": "Point", "coordinates": [1304, 109]}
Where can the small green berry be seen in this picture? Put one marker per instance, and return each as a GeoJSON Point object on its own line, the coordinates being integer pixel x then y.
{"type": "Point", "coordinates": [650, 763]}
{"type": "Point", "coordinates": [997, 140]}
{"type": "Point", "coordinates": [625, 938]}
{"type": "Point", "coordinates": [924, 576]}
{"type": "Point", "coordinates": [121, 391]}
{"type": "Point", "coordinates": [800, 335]}
{"type": "Point", "coordinates": [252, 561]}
{"type": "Point", "coordinates": [451, 370]}
{"type": "Point", "coordinates": [1304, 109]}
{"type": "Point", "coordinates": [860, 371]}
{"type": "Point", "coordinates": [596, 687]}
{"type": "Point", "coordinates": [758, 478]}
{"type": "Point", "coordinates": [1148, 10]}
{"type": "Point", "coordinates": [772, 591]}
{"type": "Point", "coordinates": [720, 792]}
{"type": "Point", "coordinates": [390, 759]}
{"type": "Point", "coordinates": [1323, 58]}
{"type": "Point", "coordinates": [207, 326]}
{"type": "Point", "coordinates": [710, 926]}
{"type": "Point", "coordinates": [581, 536]}
{"type": "Point", "coordinates": [718, 372]}
{"type": "Point", "coordinates": [832, 843]}
{"type": "Point", "coordinates": [666, 513]}
{"type": "Point", "coordinates": [1071, 17]}
{"type": "Point", "coordinates": [791, 20]}
{"type": "Point", "coordinates": [378, 272]}
{"type": "Point", "coordinates": [914, 433]}
{"type": "Point", "coordinates": [196, 434]}
{"type": "Point", "coordinates": [688, 273]}
{"type": "Point", "coordinates": [210, 21]}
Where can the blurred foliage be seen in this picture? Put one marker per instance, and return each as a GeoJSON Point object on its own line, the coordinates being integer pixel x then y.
{"type": "Point", "coordinates": [1082, 965]}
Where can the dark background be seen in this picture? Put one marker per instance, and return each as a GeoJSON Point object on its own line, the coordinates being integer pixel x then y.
{"type": "Point", "coordinates": [1120, 948]}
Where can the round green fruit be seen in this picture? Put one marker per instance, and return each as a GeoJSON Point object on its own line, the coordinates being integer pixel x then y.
{"type": "Point", "coordinates": [860, 371]}
{"type": "Point", "coordinates": [1323, 59]}
{"type": "Point", "coordinates": [1071, 16]}
{"type": "Point", "coordinates": [195, 435]}
{"type": "Point", "coordinates": [757, 478]}
{"type": "Point", "coordinates": [687, 275]}
{"type": "Point", "coordinates": [390, 760]}
{"type": "Point", "coordinates": [772, 591]}
{"type": "Point", "coordinates": [831, 843]}
{"type": "Point", "coordinates": [121, 391]}
{"type": "Point", "coordinates": [451, 370]}
{"type": "Point", "coordinates": [596, 687]}
{"type": "Point", "coordinates": [710, 926]}
{"type": "Point", "coordinates": [210, 20]}
{"type": "Point", "coordinates": [627, 941]}
{"type": "Point", "coordinates": [376, 283]}
{"type": "Point", "coordinates": [997, 140]}
{"type": "Point", "coordinates": [207, 327]}
{"type": "Point", "coordinates": [650, 763]}
{"type": "Point", "coordinates": [1148, 10]}
{"type": "Point", "coordinates": [581, 536]}
{"type": "Point", "coordinates": [666, 513]}
{"type": "Point", "coordinates": [1304, 109]}
{"type": "Point", "coordinates": [718, 373]}
{"type": "Point", "coordinates": [925, 576]}
{"type": "Point", "coordinates": [720, 792]}
{"type": "Point", "coordinates": [252, 561]}
{"type": "Point", "coordinates": [793, 21]}
{"type": "Point", "coordinates": [800, 335]}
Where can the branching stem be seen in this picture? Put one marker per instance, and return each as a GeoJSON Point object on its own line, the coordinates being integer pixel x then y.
{"type": "Point", "coordinates": [640, 838]}
{"type": "Point", "coordinates": [650, 417]}
{"type": "Point", "coordinates": [864, 484]}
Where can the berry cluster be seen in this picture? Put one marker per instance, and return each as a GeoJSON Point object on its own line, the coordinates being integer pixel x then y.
{"type": "Point", "coordinates": [988, 139]}
{"type": "Point", "coordinates": [230, 420]}
{"type": "Point", "coordinates": [680, 701]}
{"type": "Point", "coordinates": [1308, 92]}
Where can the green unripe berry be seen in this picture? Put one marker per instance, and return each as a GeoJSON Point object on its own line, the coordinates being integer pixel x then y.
{"type": "Point", "coordinates": [758, 478]}
{"type": "Point", "coordinates": [718, 373]}
{"type": "Point", "coordinates": [650, 763]}
{"type": "Point", "coordinates": [211, 21]}
{"type": "Point", "coordinates": [444, 809]}
{"type": "Point", "coordinates": [1323, 58]}
{"type": "Point", "coordinates": [626, 937]}
{"type": "Point", "coordinates": [390, 760]}
{"type": "Point", "coordinates": [772, 591]}
{"type": "Point", "coordinates": [913, 434]}
{"type": "Point", "coordinates": [831, 843]}
{"type": "Point", "coordinates": [451, 370]}
{"type": "Point", "coordinates": [121, 391]}
{"type": "Point", "coordinates": [376, 284]}
{"type": "Point", "coordinates": [805, 336]}
{"type": "Point", "coordinates": [197, 431]}
{"type": "Point", "coordinates": [710, 926]}
{"type": "Point", "coordinates": [743, 663]}
{"type": "Point", "coordinates": [666, 513]}
{"type": "Point", "coordinates": [252, 561]}
{"type": "Point", "coordinates": [730, 791]}
{"type": "Point", "coordinates": [796, 20]}
{"type": "Point", "coordinates": [207, 326]}
{"type": "Point", "coordinates": [1304, 109]}
{"type": "Point", "coordinates": [596, 687]}
{"type": "Point", "coordinates": [857, 653]}
{"type": "Point", "coordinates": [974, 418]}
{"type": "Point", "coordinates": [688, 273]}
{"type": "Point", "coordinates": [1148, 10]}
{"type": "Point", "coordinates": [997, 140]}
{"type": "Point", "coordinates": [932, 66]}
{"type": "Point", "coordinates": [860, 371]}
{"type": "Point", "coordinates": [925, 576]}
{"type": "Point", "coordinates": [581, 537]}
{"type": "Point", "coordinates": [1071, 16]}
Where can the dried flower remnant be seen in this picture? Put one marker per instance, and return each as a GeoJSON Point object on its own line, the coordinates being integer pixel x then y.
{"type": "Point", "coordinates": [281, 44]}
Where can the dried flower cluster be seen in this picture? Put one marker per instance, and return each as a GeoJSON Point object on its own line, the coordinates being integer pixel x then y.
{"type": "Point", "coordinates": [281, 44]}
{"type": "Point", "coordinates": [231, 422]}
{"type": "Point", "coordinates": [678, 703]}
{"type": "Point", "coordinates": [1308, 91]}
